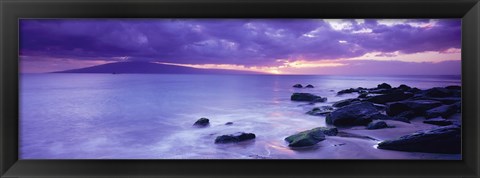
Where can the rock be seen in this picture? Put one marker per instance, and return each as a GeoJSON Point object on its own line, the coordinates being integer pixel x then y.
{"type": "Point", "coordinates": [404, 87]}
{"type": "Point", "coordinates": [380, 117]}
{"type": "Point", "coordinates": [454, 87]}
{"type": "Point", "coordinates": [384, 86]}
{"type": "Point", "coordinates": [309, 86]}
{"type": "Point", "coordinates": [354, 114]}
{"type": "Point", "coordinates": [202, 122]}
{"type": "Point", "coordinates": [407, 114]}
{"type": "Point", "coordinates": [306, 138]}
{"type": "Point", "coordinates": [438, 121]}
{"type": "Point", "coordinates": [445, 139]}
{"type": "Point", "coordinates": [320, 111]}
{"type": "Point", "coordinates": [444, 111]}
{"type": "Point", "coordinates": [438, 92]}
{"type": "Point", "coordinates": [345, 102]}
{"type": "Point", "coordinates": [234, 138]}
{"type": "Point", "coordinates": [377, 125]}
{"type": "Point", "coordinates": [329, 131]}
{"type": "Point", "coordinates": [414, 90]}
{"type": "Point", "coordinates": [229, 123]}
{"type": "Point", "coordinates": [307, 97]}
{"type": "Point", "coordinates": [350, 90]}
{"type": "Point", "coordinates": [297, 86]}
{"type": "Point", "coordinates": [380, 91]}
{"type": "Point", "coordinates": [363, 95]}
{"type": "Point", "coordinates": [418, 106]}
{"type": "Point", "coordinates": [449, 100]}
{"type": "Point", "coordinates": [391, 97]}
{"type": "Point", "coordinates": [446, 100]}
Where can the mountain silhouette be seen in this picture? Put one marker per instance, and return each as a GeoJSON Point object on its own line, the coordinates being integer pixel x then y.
{"type": "Point", "coordinates": [151, 68]}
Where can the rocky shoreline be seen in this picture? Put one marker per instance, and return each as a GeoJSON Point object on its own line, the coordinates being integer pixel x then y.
{"type": "Point", "coordinates": [379, 109]}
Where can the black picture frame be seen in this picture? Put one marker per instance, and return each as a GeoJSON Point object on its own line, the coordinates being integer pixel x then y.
{"type": "Point", "coordinates": [12, 10]}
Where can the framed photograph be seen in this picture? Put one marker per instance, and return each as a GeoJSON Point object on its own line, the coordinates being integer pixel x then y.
{"type": "Point", "coordinates": [240, 88]}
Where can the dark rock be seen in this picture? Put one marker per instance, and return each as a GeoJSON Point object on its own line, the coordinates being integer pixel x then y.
{"type": "Point", "coordinates": [345, 102]}
{"type": "Point", "coordinates": [350, 90]}
{"type": "Point", "coordinates": [439, 92]}
{"type": "Point", "coordinates": [404, 87]}
{"type": "Point", "coordinates": [380, 91]}
{"type": "Point", "coordinates": [329, 131]}
{"type": "Point", "coordinates": [446, 100]}
{"type": "Point", "coordinates": [236, 137]}
{"type": "Point", "coordinates": [377, 125]}
{"type": "Point", "coordinates": [391, 97]}
{"type": "Point", "coordinates": [309, 86]}
{"type": "Point", "coordinates": [354, 114]}
{"type": "Point", "coordinates": [414, 90]}
{"type": "Point", "coordinates": [307, 97]}
{"type": "Point", "coordinates": [449, 100]}
{"type": "Point", "coordinates": [407, 114]}
{"type": "Point", "coordinates": [229, 123]}
{"type": "Point", "coordinates": [380, 117]}
{"type": "Point", "coordinates": [297, 86]}
{"type": "Point", "coordinates": [306, 138]}
{"type": "Point", "coordinates": [444, 111]}
{"type": "Point", "coordinates": [202, 122]}
{"type": "Point", "coordinates": [445, 139]}
{"type": "Point", "coordinates": [418, 106]}
{"type": "Point", "coordinates": [384, 86]}
{"type": "Point", "coordinates": [401, 119]}
{"type": "Point", "coordinates": [454, 87]}
{"type": "Point", "coordinates": [438, 121]}
{"type": "Point", "coordinates": [363, 95]}
{"type": "Point", "coordinates": [320, 111]}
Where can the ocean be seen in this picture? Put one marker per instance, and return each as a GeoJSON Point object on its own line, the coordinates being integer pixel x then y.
{"type": "Point", "coordinates": [150, 116]}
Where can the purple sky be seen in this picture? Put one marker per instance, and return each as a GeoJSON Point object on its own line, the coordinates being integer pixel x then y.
{"type": "Point", "coordinates": [282, 46]}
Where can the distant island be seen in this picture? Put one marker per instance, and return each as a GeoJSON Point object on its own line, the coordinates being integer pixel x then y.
{"type": "Point", "coordinates": [151, 68]}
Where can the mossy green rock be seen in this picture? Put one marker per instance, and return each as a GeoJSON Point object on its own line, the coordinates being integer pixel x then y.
{"type": "Point", "coordinates": [310, 137]}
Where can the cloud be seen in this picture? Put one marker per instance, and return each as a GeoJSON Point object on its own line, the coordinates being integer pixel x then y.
{"type": "Point", "coordinates": [248, 42]}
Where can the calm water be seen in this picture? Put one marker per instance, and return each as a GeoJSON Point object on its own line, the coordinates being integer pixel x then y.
{"type": "Point", "coordinates": [150, 116]}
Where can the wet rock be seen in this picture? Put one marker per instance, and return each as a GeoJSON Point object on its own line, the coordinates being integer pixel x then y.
{"type": "Point", "coordinates": [229, 123]}
{"type": "Point", "coordinates": [297, 86]}
{"type": "Point", "coordinates": [329, 131]}
{"type": "Point", "coordinates": [354, 114]}
{"type": "Point", "coordinates": [234, 138]}
{"type": "Point", "coordinates": [350, 90]}
{"type": "Point", "coordinates": [202, 122]}
{"type": "Point", "coordinates": [391, 97]}
{"type": "Point", "coordinates": [384, 86]}
{"type": "Point", "coordinates": [444, 111]}
{"type": "Point", "coordinates": [306, 138]}
{"type": "Point", "coordinates": [438, 121]}
{"type": "Point", "coordinates": [439, 92]}
{"type": "Point", "coordinates": [307, 97]}
{"type": "Point", "coordinates": [414, 90]}
{"type": "Point", "coordinates": [309, 86]}
{"type": "Point", "coordinates": [377, 125]}
{"type": "Point", "coordinates": [320, 111]}
{"type": "Point", "coordinates": [380, 117]}
{"type": "Point", "coordinates": [418, 106]}
{"type": "Point", "coordinates": [345, 102]}
{"type": "Point", "coordinates": [404, 87]}
{"type": "Point", "coordinates": [445, 139]}
{"type": "Point", "coordinates": [363, 95]}
{"type": "Point", "coordinates": [407, 114]}
{"type": "Point", "coordinates": [450, 100]}
{"type": "Point", "coordinates": [454, 87]}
